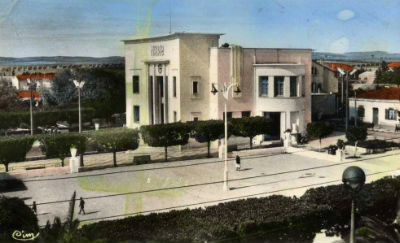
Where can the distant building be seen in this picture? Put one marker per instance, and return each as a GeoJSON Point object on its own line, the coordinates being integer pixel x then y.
{"type": "Point", "coordinates": [381, 107]}
{"type": "Point", "coordinates": [393, 65]}
{"type": "Point", "coordinates": [42, 80]}
{"type": "Point", "coordinates": [367, 77]}
{"type": "Point", "coordinates": [170, 78]}
{"type": "Point", "coordinates": [324, 79]}
{"type": "Point", "coordinates": [26, 95]}
{"type": "Point", "coordinates": [9, 81]}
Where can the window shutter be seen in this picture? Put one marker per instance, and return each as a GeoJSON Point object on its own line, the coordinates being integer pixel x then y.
{"type": "Point", "coordinates": [386, 113]}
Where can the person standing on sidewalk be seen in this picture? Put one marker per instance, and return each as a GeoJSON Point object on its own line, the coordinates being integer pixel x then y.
{"type": "Point", "coordinates": [81, 206]}
{"type": "Point", "coordinates": [34, 208]}
{"type": "Point", "coordinates": [237, 162]}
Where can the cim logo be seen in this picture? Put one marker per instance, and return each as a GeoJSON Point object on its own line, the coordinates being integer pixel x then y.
{"type": "Point", "coordinates": [157, 50]}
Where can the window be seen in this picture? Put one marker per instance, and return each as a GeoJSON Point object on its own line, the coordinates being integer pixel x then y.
{"type": "Point", "coordinates": [263, 85]}
{"type": "Point", "coordinates": [195, 118]}
{"type": "Point", "coordinates": [195, 87]}
{"type": "Point", "coordinates": [293, 86]}
{"type": "Point", "coordinates": [174, 85]}
{"type": "Point", "coordinates": [135, 80]}
{"type": "Point", "coordinates": [390, 114]}
{"type": "Point", "coordinates": [136, 114]}
{"type": "Point", "coordinates": [278, 83]}
{"type": "Point", "coordinates": [175, 116]}
{"type": "Point", "coordinates": [246, 113]}
{"type": "Point", "coordinates": [229, 115]}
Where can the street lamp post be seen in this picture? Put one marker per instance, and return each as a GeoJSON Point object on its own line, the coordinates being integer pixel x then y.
{"type": "Point", "coordinates": [31, 86]}
{"type": "Point", "coordinates": [346, 76]}
{"type": "Point", "coordinates": [353, 178]}
{"type": "Point", "coordinates": [79, 86]}
{"type": "Point", "coordinates": [225, 92]}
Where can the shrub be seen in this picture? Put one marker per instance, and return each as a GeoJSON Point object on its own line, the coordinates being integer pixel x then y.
{"type": "Point", "coordinates": [340, 144]}
{"type": "Point", "coordinates": [355, 135]}
{"type": "Point", "coordinates": [15, 215]}
{"type": "Point", "coordinates": [251, 127]}
{"type": "Point", "coordinates": [116, 140]}
{"type": "Point", "coordinates": [207, 131]}
{"type": "Point", "coordinates": [14, 149]}
{"type": "Point", "coordinates": [165, 135]}
{"type": "Point", "coordinates": [377, 144]}
{"type": "Point", "coordinates": [59, 145]}
{"type": "Point", "coordinates": [43, 118]}
{"type": "Point", "coordinates": [319, 130]}
{"type": "Point", "coordinates": [277, 218]}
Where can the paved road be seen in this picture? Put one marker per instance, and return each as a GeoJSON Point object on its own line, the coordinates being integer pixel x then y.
{"type": "Point", "coordinates": [129, 190]}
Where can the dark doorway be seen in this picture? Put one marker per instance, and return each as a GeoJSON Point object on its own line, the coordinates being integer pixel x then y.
{"type": "Point", "coordinates": [375, 116]}
{"type": "Point", "coordinates": [276, 126]}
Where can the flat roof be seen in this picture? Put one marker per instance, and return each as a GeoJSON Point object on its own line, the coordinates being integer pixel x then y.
{"type": "Point", "coordinates": [169, 37]}
{"type": "Point", "coordinates": [267, 48]}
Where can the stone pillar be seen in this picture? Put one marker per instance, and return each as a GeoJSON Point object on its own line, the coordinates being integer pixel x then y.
{"type": "Point", "coordinates": [271, 86]}
{"type": "Point", "coordinates": [165, 80]}
{"type": "Point", "coordinates": [286, 86]}
{"type": "Point", "coordinates": [155, 96]}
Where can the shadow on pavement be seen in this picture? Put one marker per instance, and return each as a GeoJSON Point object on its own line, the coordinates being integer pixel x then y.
{"type": "Point", "coordinates": [9, 183]}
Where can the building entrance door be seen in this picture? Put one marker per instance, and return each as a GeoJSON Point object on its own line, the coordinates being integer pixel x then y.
{"type": "Point", "coordinates": [276, 125]}
{"type": "Point", "coordinates": [375, 116]}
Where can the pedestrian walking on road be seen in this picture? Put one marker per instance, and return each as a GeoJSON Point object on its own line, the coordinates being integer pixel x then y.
{"type": "Point", "coordinates": [237, 162]}
{"type": "Point", "coordinates": [34, 209]}
{"type": "Point", "coordinates": [81, 206]}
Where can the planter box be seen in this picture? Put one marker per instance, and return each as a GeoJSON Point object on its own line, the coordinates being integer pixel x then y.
{"type": "Point", "coordinates": [360, 150]}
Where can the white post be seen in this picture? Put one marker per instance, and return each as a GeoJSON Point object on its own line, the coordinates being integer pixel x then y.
{"type": "Point", "coordinates": [226, 188]}
{"type": "Point", "coordinates": [79, 109]}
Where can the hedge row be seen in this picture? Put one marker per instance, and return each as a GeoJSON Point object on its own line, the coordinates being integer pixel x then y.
{"type": "Point", "coordinates": [270, 219]}
{"type": "Point", "coordinates": [43, 118]}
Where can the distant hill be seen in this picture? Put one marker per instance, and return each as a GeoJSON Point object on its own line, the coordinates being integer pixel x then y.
{"type": "Point", "coordinates": [60, 60]}
{"type": "Point", "coordinates": [370, 56]}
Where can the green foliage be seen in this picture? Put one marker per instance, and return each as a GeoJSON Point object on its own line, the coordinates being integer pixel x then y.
{"type": "Point", "coordinates": [356, 134]}
{"type": "Point", "coordinates": [14, 149]}
{"type": "Point", "coordinates": [15, 215]}
{"type": "Point", "coordinates": [251, 127]}
{"type": "Point", "coordinates": [43, 118]}
{"type": "Point", "coordinates": [59, 145]}
{"type": "Point", "coordinates": [102, 90]}
{"type": "Point", "coordinates": [340, 144]}
{"type": "Point", "coordinates": [276, 218]}
{"type": "Point", "coordinates": [207, 131]}
{"type": "Point", "coordinates": [9, 99]}
{"type": "Point", "coordinates": [115, 140]}
{"type": "Point", "coordinates": [386, 76]}
{"type": "Point", "coordinates": [165, 135]}
{"type": "Point", "coordinates": [319, 130]}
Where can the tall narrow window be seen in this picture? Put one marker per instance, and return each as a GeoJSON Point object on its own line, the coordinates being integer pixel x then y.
{"type": "Point", "coordinates": [263, 85]}
{"type": "Point", "coordinates": [175, 116]}
{"type": "Point", "coordinates": [174, 85]}
{"type": "Point", "coordinates": [136, 114]}
{"type": "Point", "coordinates": [246, 113]}
{"type": "Point", "coordinates": [293, 86]}
{"type": "Point", "coordinates": [195, 87]}
{"type": "Point", "coordinates": [135, 80]}
{"type": "Point", "coordinates": [278, 84]}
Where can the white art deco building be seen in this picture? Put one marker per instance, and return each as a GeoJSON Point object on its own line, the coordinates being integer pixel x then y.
{"type": "Point", "coordinates": [169, 78]}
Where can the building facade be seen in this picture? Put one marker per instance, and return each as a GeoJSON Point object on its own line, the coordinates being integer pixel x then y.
{"type": "Point", "coordinates": [381, 107]}
{"type": "Point", "coordinates": [169, 79]}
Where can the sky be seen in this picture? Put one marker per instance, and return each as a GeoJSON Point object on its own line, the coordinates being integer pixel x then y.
{"type": "Point", "coordinates": [96, 27]}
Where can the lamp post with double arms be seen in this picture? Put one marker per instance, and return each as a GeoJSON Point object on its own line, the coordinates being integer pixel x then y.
{"type": "Point", "coordinates": [225, 93]}
{"type": "Point", "coordinates": [79, 86]}
{"type": "Point", "coordinates": [346, 76]}
{"type": "Point", "coordinates": [353, 178]}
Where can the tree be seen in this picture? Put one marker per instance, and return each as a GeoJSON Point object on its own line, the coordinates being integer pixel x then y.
{"type": "Point", "coordinates": [117, 140]}
{"type": "Point", "coordinates": [102, 90]}
{"type": "Point", "coordinates": [165, 135]}
{"type": "Point", "coordinates": [15, 215]}
{"type": "Point", "coordinates": [59, 145]}
{"type": "Point", "coordinates": [9, 99]}
{"type": "Point", "coordinates": [319, 130]}
{"type": "Point", "coordinates": [251, 127]}
{"type": "Point", "coordinates": [355, 135]}
{"type": "Point", "coordinates": [14, 149]}
{"type": "Point", "coordinates": [207, 131]}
